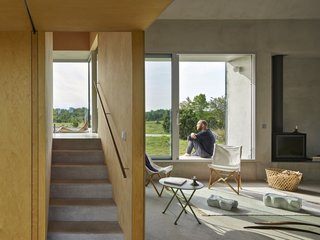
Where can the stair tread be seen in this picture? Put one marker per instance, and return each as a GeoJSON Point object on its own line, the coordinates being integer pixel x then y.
{"type": "Point", "coordinates": [85, 227]}
{"type": "Point", "coordinates": [82, 202]}
{"type": "Point", "coordinates": [80, 181]}
{"type": "Point", "coordinates": [77, 150]}
{"type": "Point", "coordinates": [77, 164]}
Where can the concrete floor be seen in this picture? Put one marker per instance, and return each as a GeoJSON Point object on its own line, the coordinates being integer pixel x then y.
{"type": "Point", "coordinates": [160, 226]}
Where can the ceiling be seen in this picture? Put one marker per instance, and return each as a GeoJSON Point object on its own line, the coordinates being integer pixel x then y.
{"type": "Point", "coordinates": [80, 15]}
{"type": "Point", "coordinates": [242, 9]}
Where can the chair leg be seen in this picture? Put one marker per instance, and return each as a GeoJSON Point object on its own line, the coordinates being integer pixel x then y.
{"type": "Point", "coordinates": [240, 181]}
{"type": "Point", "coordinates": [150, 180]}
{"type": "Point", "coordinates": [210, 179]}
{"type": "Point", "coordinates": [147, 181]}
{"type": "Point", "coordinates": [155, 188]}
{"type": "Point", "coordinates": [225, 179]}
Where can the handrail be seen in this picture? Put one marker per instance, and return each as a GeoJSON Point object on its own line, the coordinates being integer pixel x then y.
{"type": "Point", "coordinates": [111, 133]}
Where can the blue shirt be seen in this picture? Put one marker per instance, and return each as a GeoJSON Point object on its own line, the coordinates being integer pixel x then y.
{"type": "Point", "coordinates": [206, 141]}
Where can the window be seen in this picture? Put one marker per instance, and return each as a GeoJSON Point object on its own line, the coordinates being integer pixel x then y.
{"type": "Point", "coordinates": [217, 88]}
{"type": "Point", "coordinates": [70, 95]}
{"type": "Point", "coordinates": [202, 96]}
{"type": "Point", "coordinates": [158, 106]}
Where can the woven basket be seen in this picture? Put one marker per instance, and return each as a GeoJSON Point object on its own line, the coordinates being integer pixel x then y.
{"type": "Point", "coordinates": [282, 179]}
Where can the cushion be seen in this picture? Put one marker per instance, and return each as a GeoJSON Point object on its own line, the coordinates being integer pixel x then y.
{"type": "Point", "coordinates": [223, 203]}
{"type": "Point", "coordinates": [283, 202]}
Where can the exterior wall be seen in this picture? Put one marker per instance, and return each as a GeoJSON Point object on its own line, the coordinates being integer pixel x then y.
{"type": "Point", "coordinates": [301, 99]}
{"type": "Point", "coordinates": [120, 78]}
{"type": "Point", "coordinates": [263, 38]}
{"type": "Point", "coordinates": [239, 112]}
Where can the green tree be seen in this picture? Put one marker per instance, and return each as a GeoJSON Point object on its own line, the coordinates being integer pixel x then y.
{"type": "Point", "coordinates": [199, 104]}
{"type": "Point", "coordinates": [217, 109]}
{"type": "Point", "coordinates": [188, 120]}
{"type": "Point", "coordinates": [166, 122]}
{"type": "Point", "coordinates": [191, 111]}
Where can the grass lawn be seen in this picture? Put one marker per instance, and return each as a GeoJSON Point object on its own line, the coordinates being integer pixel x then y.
{"type": "Point", "coordinates": [153, 127]}
{"type": "Point", "coordinates": [160, 146]}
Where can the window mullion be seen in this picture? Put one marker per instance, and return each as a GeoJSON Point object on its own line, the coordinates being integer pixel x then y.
{"type": "Point", "coordinates": [175, 106]}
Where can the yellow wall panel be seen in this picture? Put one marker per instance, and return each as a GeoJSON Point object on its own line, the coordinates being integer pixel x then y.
{"type": "Point", "coordinates": [120, 77]}
{"type": "Point", "coordinates": [15, 137]}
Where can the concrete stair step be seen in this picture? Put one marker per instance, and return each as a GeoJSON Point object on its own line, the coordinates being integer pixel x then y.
{"type": "Point", "coordinates": [78, 171]}
{"type": "Point", "coordinates": [78, 156]}
{"type": "Point", "coordinates": [82, 210]}
{"type": "Point", "coordinates": [76, 144]}
{"type": "Point", "coordinates": [69, 230]}
{"type": "Point", "coordinates": [84, 188]}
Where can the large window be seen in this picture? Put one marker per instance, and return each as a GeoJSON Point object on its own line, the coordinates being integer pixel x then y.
{"type": "Point", "coordinates": [158, 106]}
{"type": "Point", "coordinates": [217, 88]}
{"type": "Point", "coordinates": [201, 96]}
{"type": "Point", "coordinates": [70, 96]}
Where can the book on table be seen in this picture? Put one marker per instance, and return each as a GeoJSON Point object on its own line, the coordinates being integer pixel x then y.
{"type": "Point", "coordinates": [175, 181]}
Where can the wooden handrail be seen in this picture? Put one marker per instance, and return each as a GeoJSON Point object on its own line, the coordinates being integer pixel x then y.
{"type": "Point", "coordinates": [111, 133]}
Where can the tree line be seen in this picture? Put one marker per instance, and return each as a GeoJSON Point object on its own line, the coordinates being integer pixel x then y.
{"type": "Point", "coordinates": [192, 110]}
{"type": "Point", "coordinates": [71, 115]}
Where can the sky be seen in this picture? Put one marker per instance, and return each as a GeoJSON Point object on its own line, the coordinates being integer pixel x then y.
{"type": "Point", "coordinates": [70, 85]}
{"type": "Point", "coordinates": [195, 78]}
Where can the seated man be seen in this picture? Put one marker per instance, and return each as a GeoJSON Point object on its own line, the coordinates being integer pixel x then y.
{"type": "Point", "coordinates": [202, 142]}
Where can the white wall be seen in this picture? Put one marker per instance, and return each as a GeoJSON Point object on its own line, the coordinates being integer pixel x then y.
{"type": "Point", "coordinates": [239, 105]}
{"type": "Point", "coordinates": [263, 38]}
{"type": "Point", "coordinates": [301, 86]}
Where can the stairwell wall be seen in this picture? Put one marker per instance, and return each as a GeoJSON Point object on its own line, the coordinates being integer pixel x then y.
{"type": "Point", "coordinates": [25, 137]}
{"type": "Point", "coordinates": [15, 137]}
{"type": "Point", "coordinates": [121, 81]}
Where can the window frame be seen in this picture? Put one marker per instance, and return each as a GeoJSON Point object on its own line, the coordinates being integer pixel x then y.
{"type": "Point", "coordinates": [175, 101]}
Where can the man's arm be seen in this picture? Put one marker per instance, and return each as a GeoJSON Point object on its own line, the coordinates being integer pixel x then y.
{"type": "Point", "coordinates": [193, 136]}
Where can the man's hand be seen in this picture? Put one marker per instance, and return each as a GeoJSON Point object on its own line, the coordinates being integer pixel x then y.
{"type": "Point", "coordinates": [193, 136]}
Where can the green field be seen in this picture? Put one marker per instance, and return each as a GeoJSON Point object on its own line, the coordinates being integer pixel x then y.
{"type": "Point", "coordinates": [160, 145]}
{"type": "Point", "coordinates": [153, 127]}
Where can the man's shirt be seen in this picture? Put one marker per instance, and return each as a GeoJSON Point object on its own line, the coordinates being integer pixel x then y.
{"type": "Point", "coordinates": [206, 140]}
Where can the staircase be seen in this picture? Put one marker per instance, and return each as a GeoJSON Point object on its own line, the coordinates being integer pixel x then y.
{"type": "Point", "coordinates": [81, 204]}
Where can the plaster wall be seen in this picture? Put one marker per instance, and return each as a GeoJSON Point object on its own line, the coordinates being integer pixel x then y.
{"type": "Point", "coordinates": [239, 110]}
{"type": "Point", "coordinates": [301, 84]}
{"type": "Point", "coordinates": [263, 38]}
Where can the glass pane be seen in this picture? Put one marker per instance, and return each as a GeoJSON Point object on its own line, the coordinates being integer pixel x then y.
{"type": "Point", "coordinates": [202, 96]}
{"type": "Point", "coordinates": [70, 97]}
{"type": "Point", "coordinates": [158, 107]}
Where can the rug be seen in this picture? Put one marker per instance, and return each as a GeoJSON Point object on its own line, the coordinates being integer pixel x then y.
{"type": "Point", "coordinates": [250, 203]}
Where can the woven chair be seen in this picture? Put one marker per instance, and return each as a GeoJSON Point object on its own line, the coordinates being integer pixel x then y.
{"type": "Point", "coordinates": [153, 170]}
{"type": "Point", "coordinates": [226, 165]}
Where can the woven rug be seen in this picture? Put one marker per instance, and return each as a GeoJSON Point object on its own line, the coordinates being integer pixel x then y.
{"type": "Point", "coordinates": [249, 203]}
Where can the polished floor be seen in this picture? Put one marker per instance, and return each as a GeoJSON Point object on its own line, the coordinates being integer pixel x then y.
{"type": "Point", "coordinates": [161, 226]}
